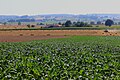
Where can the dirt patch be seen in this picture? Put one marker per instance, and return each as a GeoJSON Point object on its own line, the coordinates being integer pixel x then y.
{"type": "Point", "coordinates": [28, 35]}
{"type": "Point", "coordinates": [25, 38]}
{"type": "Point", "coordinates": [16, 27]}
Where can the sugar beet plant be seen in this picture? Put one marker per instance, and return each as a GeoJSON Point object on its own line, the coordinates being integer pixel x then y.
{"type": "Point", "coordinates": [76, 58]}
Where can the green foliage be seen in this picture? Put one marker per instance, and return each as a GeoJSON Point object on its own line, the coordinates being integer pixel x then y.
{"type": "Point", "coordinates": [77, 24]}
{"type": "Point", "coordinates": [80, 57]}
{"type": "Point", "coordinates": [68, 23]}
{"type": "Point", "coordinates": [5, 23]}
{"type": "Point", "coordinates": [81, 24]}
{"type": "Point", "coordinates": [28, 25]}
{"type": "Point", "coordinates": [39, 24]}
{"type": "Point", "coordinates": [109, 22]}
{"type": "Point", "coordinates": [19, 23]}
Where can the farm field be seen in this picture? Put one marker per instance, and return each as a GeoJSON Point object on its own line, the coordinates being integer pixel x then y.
{"type": "Point", "coordinates": [76, 57]}
{"type": "Point", "coordinates": [38, 27]}
{"type": "Point", "coordinates": [29, 35]}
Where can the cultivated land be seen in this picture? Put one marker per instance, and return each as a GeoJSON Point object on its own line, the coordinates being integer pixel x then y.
{"type": "Point", "coordinates": [78, 57]}
{"type": "Point", "coordinates": [78, 54]}
{"type": "Point", "coordinates": [23, 33]}
{"type": "Point", "coordinates": [24, 27]}
{"type": "Point", "coordinates": [28, 35]}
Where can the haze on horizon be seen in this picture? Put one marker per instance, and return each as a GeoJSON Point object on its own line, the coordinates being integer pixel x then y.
{"type": "Point", "coordinates": [34, 7]}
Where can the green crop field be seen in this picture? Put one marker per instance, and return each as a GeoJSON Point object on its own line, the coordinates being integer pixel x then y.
{"type": "Point", "coordinates": [77, 57]}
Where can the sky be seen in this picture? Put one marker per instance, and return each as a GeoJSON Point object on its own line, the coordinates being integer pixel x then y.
{"type": "Point", "coordinates": [35, 7]}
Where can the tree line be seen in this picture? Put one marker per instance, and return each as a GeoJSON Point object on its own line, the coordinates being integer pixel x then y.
{"type": "Point", "coordinates": [68, 23]}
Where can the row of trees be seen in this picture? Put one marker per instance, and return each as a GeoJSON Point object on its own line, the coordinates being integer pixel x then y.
{"type": "Point", "coordinates": [68, 23]}
{"type": "Point", "coordinates": [76, 24]}
{"type": "Point", "coordinates": [22, 20]}
{"type": "Point", "coordinates": [5, 23]}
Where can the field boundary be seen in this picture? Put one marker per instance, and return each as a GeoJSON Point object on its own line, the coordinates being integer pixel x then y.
{"type": "Point", "coordinates": [66, 28]}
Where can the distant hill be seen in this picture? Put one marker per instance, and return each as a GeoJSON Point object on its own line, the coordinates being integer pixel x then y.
{"type": "Point", "coordinates": [60, 17]}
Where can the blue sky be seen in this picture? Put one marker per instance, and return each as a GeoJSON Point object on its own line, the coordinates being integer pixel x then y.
{"type": "Point", "coordinates": [31, 7]}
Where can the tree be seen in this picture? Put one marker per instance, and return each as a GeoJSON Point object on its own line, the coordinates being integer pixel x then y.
{"type": "Point", "coordinates": [32, 26]}
{"type": "Point", "coordinates": [68, 23]}
{"type": "Point", "coordinates": [118, 23]}
{"type": "Point", "coordinates": [99, 23]}
{"type": "Point", "coordinates": [63, 24]}
{"type": "Point", "coordinates": [39, 24]}
{"type": "Point", "coordinates": [92, 23]}
{"type": "Point", "coordinates": [109, 22]}
{"type": "Point", "coordinates": [28, 26]}
{"type": "Point", "coordinates": [82, 24]}
{"type": "Point", "coordinates": [60, 23]}
{"type": "Point", "coordinates": [5, 23]}
{"type": "Point", "coordinates": [19, 23]}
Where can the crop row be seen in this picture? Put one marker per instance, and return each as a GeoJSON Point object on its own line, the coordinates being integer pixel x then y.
{"type": "Point", "coordinates": [82, 57]}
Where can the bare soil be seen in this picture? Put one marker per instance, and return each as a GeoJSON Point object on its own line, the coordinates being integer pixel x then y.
{"type": "Point", "coordinates": [29, 35]}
